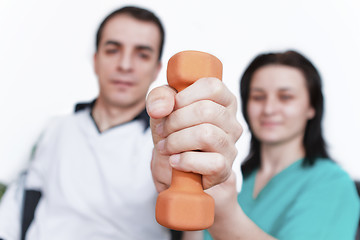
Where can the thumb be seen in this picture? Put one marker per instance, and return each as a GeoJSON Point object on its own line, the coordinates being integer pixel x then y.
{"type": "Point", "coordinates": [159, 104]}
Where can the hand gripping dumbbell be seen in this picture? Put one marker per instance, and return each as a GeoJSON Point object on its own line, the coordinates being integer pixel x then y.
{"type": "Point", "coordinates": [184, 206]}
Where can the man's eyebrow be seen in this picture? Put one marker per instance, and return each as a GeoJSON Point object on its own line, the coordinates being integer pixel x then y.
{"type": "Point", "coordinates": [112, 42]}
{"type": "Point", "coordinates": [145, 47]}
{"type": "Point", "coordinates": [139, 47]}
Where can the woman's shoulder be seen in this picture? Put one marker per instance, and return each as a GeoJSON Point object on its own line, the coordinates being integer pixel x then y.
{"type": "Point", "coordinates": [327, 169]}
{"type": "Point", "coordinates": [327, 174]}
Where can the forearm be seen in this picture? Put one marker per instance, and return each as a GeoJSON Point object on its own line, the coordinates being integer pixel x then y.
{"type": "Point", "coordinates": [236, 225]}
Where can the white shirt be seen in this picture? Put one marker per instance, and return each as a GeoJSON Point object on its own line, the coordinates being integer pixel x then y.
{"type": "Point", "coordinates": [94, 185]}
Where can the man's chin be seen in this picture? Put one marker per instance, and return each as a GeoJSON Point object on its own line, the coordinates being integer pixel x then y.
{"type": "Point", "coordinates": [124, 103]}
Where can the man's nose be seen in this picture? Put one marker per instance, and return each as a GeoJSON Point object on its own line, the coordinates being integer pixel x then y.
{"type": "Point", "coordinates": [125, 61]}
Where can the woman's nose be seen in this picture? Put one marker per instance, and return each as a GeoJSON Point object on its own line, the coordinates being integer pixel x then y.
{"type": "Point", "coordinates": [271, 106]}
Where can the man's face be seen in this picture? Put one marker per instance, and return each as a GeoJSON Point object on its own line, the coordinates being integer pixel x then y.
{"type": "Point", "coordinates": [126, 62]}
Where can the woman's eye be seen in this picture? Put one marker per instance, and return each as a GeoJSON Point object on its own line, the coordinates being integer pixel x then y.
{"type": "Point", "coordinates": [257, 97]}
{"type": "Point", "coordinates": [286, 97]}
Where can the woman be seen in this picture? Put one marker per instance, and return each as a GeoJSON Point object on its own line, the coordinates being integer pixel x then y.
{"type": "Point", "coordinates": [291, 187]}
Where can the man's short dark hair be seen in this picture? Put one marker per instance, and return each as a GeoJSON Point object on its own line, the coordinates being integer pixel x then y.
{"type": "Point", "coordinates": [139, 14]}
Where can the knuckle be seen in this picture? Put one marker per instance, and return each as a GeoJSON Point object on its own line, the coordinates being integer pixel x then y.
{"type": "Point", "coordinates": [222, 166]}
{"type": "Point", "coordinates": [221, 141]}
{"type": "Point", "coordinates": [215, 86]}
{"type": "Point", "coordinates": [224, 112]}
{"type": "Point", "coordinates": [170, 123]}
{"type": "Point", "coordinates": [238, 130]}
{"type": "Point", "coordinates": [206, 133]}
{"type": "Point", "coordinates": [170, 144]}
{"type": "Point", "coordinates": [204, 110]}
{"type": "Point", "coordinates": [233, 100]}
{"type": "Point", "coordinates": [211, 138]}
{"type": "Point", "coordinates": [235, 152]}
{"type": "Point", "coordinates": [218, 166]}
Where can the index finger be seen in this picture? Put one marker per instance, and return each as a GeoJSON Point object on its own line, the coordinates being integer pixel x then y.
{"type": "Point", "coordinates": [207, 89]}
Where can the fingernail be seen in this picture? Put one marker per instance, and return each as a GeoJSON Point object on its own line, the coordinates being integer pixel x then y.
{"type": "Point", "coordinates": [156, 105]}
{"type": "Point", "coordinates": [160, 146]}
{"type": "Point", "coordinates": [174, 160]}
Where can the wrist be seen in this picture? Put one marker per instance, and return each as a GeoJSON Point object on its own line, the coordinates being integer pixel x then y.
{"type": "Point", "coordinates": [227, 224]}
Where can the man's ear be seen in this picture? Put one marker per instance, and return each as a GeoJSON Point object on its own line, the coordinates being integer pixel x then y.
{"type": "Point", "coordinates": [95, 64]}
{"type": "Point", "coordinates": [157, 71]}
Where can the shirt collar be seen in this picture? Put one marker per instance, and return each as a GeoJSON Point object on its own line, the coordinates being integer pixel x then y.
{"type": "Point", "coordinates": [143, 116]}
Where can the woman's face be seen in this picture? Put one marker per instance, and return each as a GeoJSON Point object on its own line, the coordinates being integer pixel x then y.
{"type": "Point", "coordinates": [279, 105]}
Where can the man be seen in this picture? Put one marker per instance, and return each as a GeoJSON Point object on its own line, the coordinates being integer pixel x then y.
{"type": "Point", "coordinates": [90, 175]}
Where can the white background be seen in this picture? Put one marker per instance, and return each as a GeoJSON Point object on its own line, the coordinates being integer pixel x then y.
{"type": "Point", "coordinates": [46, 50]}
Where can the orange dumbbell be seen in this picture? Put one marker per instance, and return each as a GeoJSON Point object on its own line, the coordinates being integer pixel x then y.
{"type": "Point", "coordinates": [185, 206]}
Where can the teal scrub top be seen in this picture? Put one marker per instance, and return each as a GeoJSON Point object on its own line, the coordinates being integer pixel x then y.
{"type": "Point", "coordinates": [316, 202]}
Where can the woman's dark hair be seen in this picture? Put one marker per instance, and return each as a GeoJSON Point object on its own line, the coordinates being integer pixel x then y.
{"type": "Point", "coordinates": [139, 14]}
{"type": "Point", "coordinates": [313, 141]}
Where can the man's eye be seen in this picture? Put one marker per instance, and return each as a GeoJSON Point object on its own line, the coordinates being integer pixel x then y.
{"type": "Point", "coordinates": [144, 55]}
{"type": "Point", "coordinates": [111, 51]}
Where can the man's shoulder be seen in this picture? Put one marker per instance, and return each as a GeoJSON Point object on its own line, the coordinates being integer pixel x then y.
{"type": "Point", "coordinates": [60, 122]}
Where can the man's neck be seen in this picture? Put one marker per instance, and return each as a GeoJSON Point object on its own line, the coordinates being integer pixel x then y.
{"type": "Point", "coordinates": [107, 116]}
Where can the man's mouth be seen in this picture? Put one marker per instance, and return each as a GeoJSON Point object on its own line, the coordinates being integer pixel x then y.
{"type": "Point", "coordinates": [122, 83]}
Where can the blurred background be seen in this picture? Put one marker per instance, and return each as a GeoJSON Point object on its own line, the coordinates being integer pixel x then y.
{"type": "Point", "coordinates": [46, 52]}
